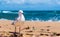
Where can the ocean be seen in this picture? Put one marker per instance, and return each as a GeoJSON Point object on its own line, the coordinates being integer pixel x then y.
{"type": "Point", "coordinates": [32, 15]}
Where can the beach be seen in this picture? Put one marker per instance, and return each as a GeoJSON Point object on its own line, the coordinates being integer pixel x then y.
{"type": "Point", "coordinates": [30, 27]}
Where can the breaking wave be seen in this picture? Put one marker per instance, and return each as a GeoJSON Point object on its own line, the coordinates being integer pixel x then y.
{"type": "Point", "coordinates": [50, 20]}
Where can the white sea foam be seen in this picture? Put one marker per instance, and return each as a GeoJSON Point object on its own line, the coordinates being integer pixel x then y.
{"type": "Point", "coordinates": [9, 12]}
{"type": "Point", "coordinates": [6, 11]}
{"type": "Point", "coordinates": [50, 20]}
{"type": "Point", "coordinates": [5, 19]}
{"type": "Point", "coordinates": [37, 19]}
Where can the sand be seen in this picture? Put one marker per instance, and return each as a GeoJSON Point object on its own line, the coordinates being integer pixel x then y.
{"type": "Point", "coordinates": [26, 27]}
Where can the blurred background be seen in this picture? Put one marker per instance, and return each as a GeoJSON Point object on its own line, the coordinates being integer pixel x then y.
{"type": "Point", "coordinates": [40, 10]}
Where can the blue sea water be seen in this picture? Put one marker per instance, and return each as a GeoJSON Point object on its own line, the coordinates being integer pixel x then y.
{"type": "Point", "coordinates": [32, 15]}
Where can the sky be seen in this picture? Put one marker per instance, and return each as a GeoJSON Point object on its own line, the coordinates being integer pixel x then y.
{"type": "Point", "coordinates": [30, 4]}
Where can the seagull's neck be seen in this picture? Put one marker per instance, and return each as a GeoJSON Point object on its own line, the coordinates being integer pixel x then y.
{"type": "Point", "coordinates": [20, 15]}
